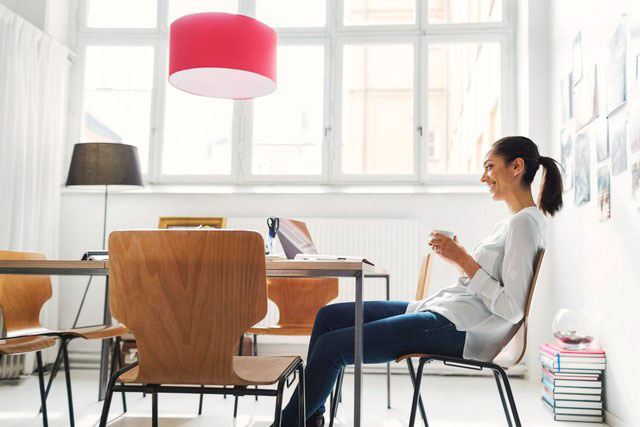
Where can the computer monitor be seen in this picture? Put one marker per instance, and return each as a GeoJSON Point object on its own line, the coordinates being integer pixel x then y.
{"type": "Point", "coordinates": [295, 238]}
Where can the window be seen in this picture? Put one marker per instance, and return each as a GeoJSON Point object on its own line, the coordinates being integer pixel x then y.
{"type": "Point", "coordinates": [463, 97]}
{"type": "Point", "coordinates": [379, 12]}
{"type": "Point", "coordinates": [115, 77]}
{"type": "Point", "coordinates": [409, 91]}
{"type": "Point", "coordinates": [288, 125]}
{"type": "Point", "coordinates": [377, 109]}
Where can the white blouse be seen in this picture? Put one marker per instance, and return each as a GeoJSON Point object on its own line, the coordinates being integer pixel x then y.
{"type": "Point", "coordinates": [490, 306]}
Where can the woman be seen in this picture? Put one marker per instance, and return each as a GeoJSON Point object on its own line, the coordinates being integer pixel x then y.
{"type": "Point", "coordinates": [475, 317]}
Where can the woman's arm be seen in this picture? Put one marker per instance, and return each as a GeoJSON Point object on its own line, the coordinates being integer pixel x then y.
{"type": "Point", "coordinates": [508, 299]}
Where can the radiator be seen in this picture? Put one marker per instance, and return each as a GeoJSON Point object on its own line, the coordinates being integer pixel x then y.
{"type": "Point", "coordinates": [11, 366]}
{"type": "Point", "coordinates": [388, 243]}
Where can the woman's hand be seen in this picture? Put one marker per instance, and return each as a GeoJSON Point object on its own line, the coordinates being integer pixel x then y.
{"type": "Point", "coordinates": [451, 251]}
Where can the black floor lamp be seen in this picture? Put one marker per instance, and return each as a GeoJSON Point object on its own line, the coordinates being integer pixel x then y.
{"type": "Point", "coordinates": [100, 163]}
{"type": "Point", "coordinates": [108, 164]}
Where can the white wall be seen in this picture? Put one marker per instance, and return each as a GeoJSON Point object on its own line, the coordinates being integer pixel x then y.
{"type": "Point", "coordinates": [596, 265]}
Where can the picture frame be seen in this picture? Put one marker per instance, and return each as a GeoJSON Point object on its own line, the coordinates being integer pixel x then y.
{"type": "Point", "coordinates": [168, 222]}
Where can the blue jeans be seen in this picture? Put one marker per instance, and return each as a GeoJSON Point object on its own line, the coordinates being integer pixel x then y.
{"type": "Point", "coordinates": [388, 333]}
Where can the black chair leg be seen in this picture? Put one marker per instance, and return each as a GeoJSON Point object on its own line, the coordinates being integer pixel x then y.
{"type": "Point", "coordinates": [54, 372]}
{"type": "Point", "coordinates": [302, 411]}
{"type": "Point", "coordinates": [502, 399]}
{"type": "Point", "coordinates": [154, 407]}
{"type": "Point", "coordinates": [200, 403]}
{"type": "Point", "coordinates": [416, 393]}
{"type": "Point", "coordinates": [333, 407]}
{"type": "Point", "coordinates": [67, 374]}
{"type": "Point", "coordinates": [116, 361]}
{"type": "Point", "coordinates": [255, 353]}
{"type": "Point", "coordinates": [106, 405]}
{"type": "Point", "coordinates": [412, 374]}
{"type": "Point", "coordinates": [43, 397]}
{"type": "Point", "coordinates": [235, 402]}
{"type": "Point", "coordinates": [277, 420]}
{"type": "Point", "coordinates": [512, 402]}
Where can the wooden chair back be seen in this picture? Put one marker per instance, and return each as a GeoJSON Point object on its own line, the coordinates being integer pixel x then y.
{"type": "Point", "coordinates": [187, 296]}
{"type": "Point", "coordinates": [22, 297]}
{"type": "Point", "coordinates": [514, 351]}
{"type": "Point", "coordinates": [299, 299]}
{"type": "Point", "coordinates": [425, 277]}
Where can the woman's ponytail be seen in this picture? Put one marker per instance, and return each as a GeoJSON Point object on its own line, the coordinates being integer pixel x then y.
{"type": "Point", "coordinates": [550, 198]}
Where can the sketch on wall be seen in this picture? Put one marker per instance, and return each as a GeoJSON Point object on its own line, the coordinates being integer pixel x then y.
{"type": "Point", "coordinates": [566, 156]}
{"type": "Point", "coordinates": [618, 144]}
{"type": "Point", "coordinates": [576, 56]}
{"type": "Point", "coordinates": [633, 124]}
{"type": "Point", "coordinates": [604, 192]}
{"type": "Point", "coordinates": [582, 180]}
{"type": "Point", "coordinates": [633, 66]}
{"type": "Point", "coordinates": [566, 96]}
{"type": "Point", "coordinates": [616, 69]}
{"type": "Point", "coordinates": [584, 99]}
{"type": "Point", "coordinates": [601, 137]}
{"type": "Point", "coordinates": [635, 183]}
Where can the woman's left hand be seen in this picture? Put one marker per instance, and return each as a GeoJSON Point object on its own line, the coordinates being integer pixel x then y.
{"type": "Point", "coordinates": [449, 249]}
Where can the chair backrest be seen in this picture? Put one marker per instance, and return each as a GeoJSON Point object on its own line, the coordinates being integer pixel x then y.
{"type": "Point", "coordinates": [300, 299]}
{"type": "Point", "coordinates": [425, 277]}
{"type": "Point", "coordinates": [514, 351]}
{"type": "Point", "coordinates": [187, 296]}
{"type": "Point", "coordinates": [22, 297]}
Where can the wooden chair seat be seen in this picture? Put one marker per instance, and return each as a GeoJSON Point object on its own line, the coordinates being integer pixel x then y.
{"type": "Point", "coordinates": [94, 332]}
{"type": "Point", "coordinates": [289, 330]}
{"type": "Point", "coordinates": [255, 370]}
{"type": "Point", "coordinates": [25, 344]}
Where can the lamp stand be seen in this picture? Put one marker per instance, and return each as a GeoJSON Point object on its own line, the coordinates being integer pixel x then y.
{"type": "Point", "coordinates": [104, 225]}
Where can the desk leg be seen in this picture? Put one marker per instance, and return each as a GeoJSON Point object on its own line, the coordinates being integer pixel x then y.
{"type": "Point", "coordinates": [357, 377]}
{"type": "Point", "coordinates": [388, 364]}
{"type": "Point", "coordinates": [106, 346]}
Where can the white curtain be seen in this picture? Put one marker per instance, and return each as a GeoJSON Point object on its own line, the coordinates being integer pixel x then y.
{"type": "Point", "coordinates": [34, 72]}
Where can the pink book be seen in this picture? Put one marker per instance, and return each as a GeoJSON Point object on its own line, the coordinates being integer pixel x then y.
{"type": "Point", "coordinates": [554, 349]}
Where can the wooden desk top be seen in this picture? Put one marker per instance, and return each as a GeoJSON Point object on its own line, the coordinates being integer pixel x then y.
{"type": "Point", "coordinates": [274, 268]}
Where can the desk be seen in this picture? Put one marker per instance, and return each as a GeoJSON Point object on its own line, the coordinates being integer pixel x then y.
{"type": "Point", "coordinates": [357, 270]}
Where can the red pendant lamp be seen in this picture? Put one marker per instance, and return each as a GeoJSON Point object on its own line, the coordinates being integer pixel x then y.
{"type": "Point", "coordinates": [222, 55]}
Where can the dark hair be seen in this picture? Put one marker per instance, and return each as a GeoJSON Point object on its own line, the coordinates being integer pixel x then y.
{"type": "Point", "coordinates": [513, 147]}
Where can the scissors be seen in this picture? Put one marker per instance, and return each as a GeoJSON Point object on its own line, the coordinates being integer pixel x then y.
{"type": "Point", "coordinates": [273, 223]}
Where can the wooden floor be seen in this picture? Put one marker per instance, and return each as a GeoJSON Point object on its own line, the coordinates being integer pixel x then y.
{"type": "Point", "coordinates": [450, 401]}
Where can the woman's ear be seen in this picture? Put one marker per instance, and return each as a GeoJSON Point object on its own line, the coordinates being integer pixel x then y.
{"type": "Point", "coordinates": [517, 166]}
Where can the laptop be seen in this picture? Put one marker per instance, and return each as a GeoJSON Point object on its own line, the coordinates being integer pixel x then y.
{"type": "Point", "coordinates": [297, 243]}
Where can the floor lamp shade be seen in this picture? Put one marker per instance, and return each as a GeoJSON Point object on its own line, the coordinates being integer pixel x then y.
{"type": "Point", "coordinates": [222, 55]}
{"type": "Point", "coordinates": [102, 163]}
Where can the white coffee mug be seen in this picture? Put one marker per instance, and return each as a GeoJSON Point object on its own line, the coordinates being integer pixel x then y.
{"type": "Point", "coordinates": [449, 234]}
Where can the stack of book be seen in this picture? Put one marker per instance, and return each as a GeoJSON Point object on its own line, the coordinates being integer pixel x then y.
{"type": "Point", "coordinates": [572, 382]}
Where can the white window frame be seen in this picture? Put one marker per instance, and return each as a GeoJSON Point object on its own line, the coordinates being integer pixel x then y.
{"type": "Point", "coordinates": [333, 37]}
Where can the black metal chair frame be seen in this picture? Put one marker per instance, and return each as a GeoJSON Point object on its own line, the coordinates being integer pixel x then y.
{"type": "Point", "coordinates": [43, 396]}
{"type": "Point", "coordinates": [336, 396]}
{"type": "Point", "coordinates": [499, 373]}
{"type": "Point", "coordinates": [154, 389]}
{"type": "Point", "coordinates": [63, 355]}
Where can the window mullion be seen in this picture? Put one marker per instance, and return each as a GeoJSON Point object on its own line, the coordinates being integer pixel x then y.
{"type": "Point", "coordinates": [158, 98]}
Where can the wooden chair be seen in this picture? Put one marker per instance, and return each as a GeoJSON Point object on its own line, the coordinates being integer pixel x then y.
{"type": "Point", "coordinates": [187, 295]}
{"type": "Point", "coordinates": [22, 298]}
{"type": "Point", "coordinates": [422, 289]}
{"type": "Point", "coordinates": [511, 355]}
{"type": "Point", "coordinates": [28, 345]}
